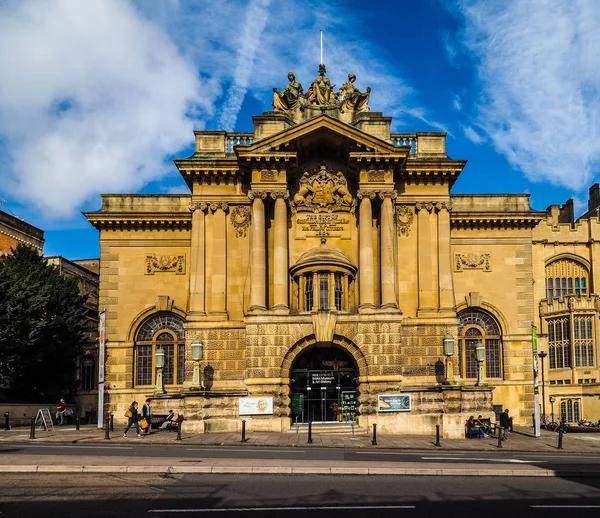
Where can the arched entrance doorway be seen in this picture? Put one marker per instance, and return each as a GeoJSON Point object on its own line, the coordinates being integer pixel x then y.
{"type": "Point", "coordinates": [323, 386]}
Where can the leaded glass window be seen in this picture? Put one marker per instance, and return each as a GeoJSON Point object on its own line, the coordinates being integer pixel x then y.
{"type": "Point", "coordinates": [559, 342]}
{"type": "Point", "coordinates": [565, 277]}
{"type": "Point", "coordinates": [476, 326]}
{"type": "Point", "coordinates": [163, 331]}
{"type": "Point", "coordinates": [323, 291]}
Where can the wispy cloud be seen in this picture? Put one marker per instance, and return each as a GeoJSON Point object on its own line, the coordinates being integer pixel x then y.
{"type": "Point", "coordinates": [472, 135]}
{"type": "Point", "coordinates": [537, 62]}
{"type": "Point", "coordinates": [457, 103]}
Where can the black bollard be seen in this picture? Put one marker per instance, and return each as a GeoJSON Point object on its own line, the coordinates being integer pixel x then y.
{"type": "Point", "coordinates": [77, 421]}
{"type": "Point", "coordinates": [500, 437]}
{"type": "Point", "coordinates": [32, 431]}
{"type": "Point", "coordinates": [243, 430]}
{"type": "Point", "coordinates": [107, 428]}
{"type": "Point", "coordinates": [112, 422]}
{"type": "Point", "coordinates": [560, 437]}
{"type": "Point", "coordinates": [310, 432]}
{"type": "Point", "coordinates": [374, 440]}
{"type": "Point", "coordinates": [6, 421]}
{"type": "Point", "coordinates": [437, 435]}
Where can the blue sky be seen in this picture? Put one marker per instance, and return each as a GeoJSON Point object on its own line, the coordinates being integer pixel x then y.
{"type": "Point", "coordinates": [99, 96]}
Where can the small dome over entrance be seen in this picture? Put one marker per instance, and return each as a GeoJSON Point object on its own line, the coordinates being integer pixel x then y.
{"type": "Point", "coordinates": [324, 257]}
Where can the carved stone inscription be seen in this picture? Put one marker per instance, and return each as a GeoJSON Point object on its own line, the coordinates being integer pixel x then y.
{"type": "Point", "coordinates": [322, 225]}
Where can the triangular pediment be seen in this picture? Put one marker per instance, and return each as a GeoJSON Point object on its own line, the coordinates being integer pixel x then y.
{"type": "Point", "coordinates": [319, 128]}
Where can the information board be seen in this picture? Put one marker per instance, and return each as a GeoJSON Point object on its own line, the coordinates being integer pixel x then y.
{"type": "Point", "coordinates": [393, 403]}
{"type": "Point", "coordinates": [44, 419]}
{"type": "Point", "coordinates": [297, 403]}
{"type": "Point", "coordinates": [256, 405]}
{"type": "Point", "coordinates": [348, 406]}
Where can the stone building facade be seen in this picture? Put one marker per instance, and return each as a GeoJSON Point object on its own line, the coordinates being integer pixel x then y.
{"type": "Point", "coordinates": [322, 261]}
{"type": "Point", "coordinates": [14, 231]}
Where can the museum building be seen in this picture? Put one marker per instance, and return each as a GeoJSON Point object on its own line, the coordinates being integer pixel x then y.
{"type": "Point", "coordinates": [321, 270]}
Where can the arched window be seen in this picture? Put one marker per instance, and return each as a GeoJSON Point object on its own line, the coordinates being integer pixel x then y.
{"type": "Point", "coordinates": [566, 277]}
{"type": "Point", "coordinates": [478, 326]}
{"type": "Point", "coordinates": [165, 331]}
{"type": "Point", "coordinates": [569, 410]}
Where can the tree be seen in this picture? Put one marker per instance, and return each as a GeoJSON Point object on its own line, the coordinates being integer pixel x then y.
{"type": "Point", "coordinates": [42, 319]}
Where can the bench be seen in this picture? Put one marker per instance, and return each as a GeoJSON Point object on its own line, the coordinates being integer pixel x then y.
{"type": "Point", "coordinates": [486, 421]}
{"type": "Point", "coordinates": [159, 419]}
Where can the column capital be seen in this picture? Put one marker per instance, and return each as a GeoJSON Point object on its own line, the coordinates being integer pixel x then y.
{"type": "Point", "coordinates": [219, 205]}
{"type": "Point", "coordinates": [280, 194]}
{"type": "Point", "coordinates": [388, 194]}
{"type": "Point", "coordinates": [444, 205]}
{"type": "Point", "coordinates": [366, 194]}
{"type": "Point", "coordinates": [260, 195]}
{"type": "Point", "coordinates": [198, 205]}
{"type": "Point", "coordinates": [428, 206]}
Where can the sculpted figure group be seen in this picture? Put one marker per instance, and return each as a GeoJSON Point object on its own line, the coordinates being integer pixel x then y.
{"type": "Point", "coordinates": [321, 94]}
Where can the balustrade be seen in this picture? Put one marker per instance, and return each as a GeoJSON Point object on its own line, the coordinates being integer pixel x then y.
{"type": "Point", "coordinates": [237, 139]}
{"type": "Point", "coordinates": [405, 139]}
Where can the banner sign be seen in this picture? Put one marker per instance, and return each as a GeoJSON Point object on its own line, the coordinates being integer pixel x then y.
{"type": "Point", "coordinates": [101, 361]}
{"type": "Point", "coordinates": [256, 406]}
{"type": "Point", "coordinates": [393, 403]}
{"type": "Point", "coordinates": [536, 388]}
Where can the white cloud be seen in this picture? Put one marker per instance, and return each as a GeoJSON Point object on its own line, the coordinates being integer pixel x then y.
{"type": "Point", "coordinates": [472, 135]}
{"type": "Point", "coordinates": [92, 98]}
{"type": "Point", "coordinates": [538, 64]}
{"type": "Point", "coordinates": [457, 103]}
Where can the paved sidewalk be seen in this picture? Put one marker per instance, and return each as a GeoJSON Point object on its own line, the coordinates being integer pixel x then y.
{"type": "Point", "coordinates": [520, 441]}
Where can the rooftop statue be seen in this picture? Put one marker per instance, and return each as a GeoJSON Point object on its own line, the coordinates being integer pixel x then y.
{"type": "Point", "coordinates": [352, 98]}
{"type": "Point", "coordinates": [321, 91]}
{"type": "Point", "coordinates": [291, 97]}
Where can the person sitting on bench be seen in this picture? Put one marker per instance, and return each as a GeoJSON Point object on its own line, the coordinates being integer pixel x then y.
{"type": "Point", "coordinates": [475, 427]}
{"type": "Point", "coordinates": [479, 422]}
{"type": "Point", "coordinates": [167, 422]}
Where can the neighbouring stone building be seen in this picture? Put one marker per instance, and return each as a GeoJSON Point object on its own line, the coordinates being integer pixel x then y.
{"type": "Point", "coordinates": [14, 231]}
{"type": "Point", "coordinates": [323, 261]}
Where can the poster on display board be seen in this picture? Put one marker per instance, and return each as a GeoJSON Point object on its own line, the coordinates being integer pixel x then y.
{"type": "Point", "coordinates": [393, 403]}
{"type": "Point", "coordinates": [256, 406]}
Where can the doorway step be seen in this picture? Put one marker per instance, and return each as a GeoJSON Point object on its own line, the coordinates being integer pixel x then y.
{"type": "Point", "coordinates": [328, 428]}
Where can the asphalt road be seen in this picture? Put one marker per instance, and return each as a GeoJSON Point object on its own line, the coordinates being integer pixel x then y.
{"type": "Point", "coordinates": [93, 496]}
{"type": "Point", "coordinates": [426, 458]}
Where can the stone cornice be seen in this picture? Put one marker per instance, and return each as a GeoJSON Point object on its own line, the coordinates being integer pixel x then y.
{"type": "Point", "coordinates": [140, 221]}
{"type": "Point", "coordinates": [471, 220]}
{"type": "Point", "coordinates": [431, 171]}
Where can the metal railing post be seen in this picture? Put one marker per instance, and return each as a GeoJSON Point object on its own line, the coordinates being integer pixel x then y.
{"type": "Point", "coordinates": [309, 432]}
{"type": "Point", "coordinates": [111, 419]}
{"type": "Point", "coordinates": [560, 437]}
{"type": "Point", "coordinates": [6, 421]}
{"type": "Point", "coordinates": [179, 430]}
{"type": "Point", "coordinates": [374, 440]}
{"type": "Point", "coordinates": [437, 435]}
{"type": "Point", "coordinates": [500, 432]}
{"type": "Point", "coordinates": [32, 431]}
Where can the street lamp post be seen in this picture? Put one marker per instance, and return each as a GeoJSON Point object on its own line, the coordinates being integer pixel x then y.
{"type": "Point", "coordinates": [542, 355]}
{"type": "Point", "coordinates": [159, 360]}
{"type": "Point", "coordinates": [479, 356]}
{"type": "Point", "coordinates": [197, 353]}
{"type": "Point", "coordinates": [552, 400]}
{"type": "Point", "coordinates": [448, 352]}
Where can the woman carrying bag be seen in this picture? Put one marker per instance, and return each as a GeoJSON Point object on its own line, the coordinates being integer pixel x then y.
{"type": "Point", "coordinates": [133, 418]}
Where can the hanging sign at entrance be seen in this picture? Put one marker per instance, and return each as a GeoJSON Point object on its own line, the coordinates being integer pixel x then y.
{"type": "Point", "coordinates": [256, 406]}
{"type": "Point", "coordinates": [322, 378]}
{"type": "Point", "coordinates": [393, 403]}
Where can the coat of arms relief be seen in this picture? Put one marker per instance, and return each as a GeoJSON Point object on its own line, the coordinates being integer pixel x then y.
{"type": "Point", "coordinates": [323, 191]}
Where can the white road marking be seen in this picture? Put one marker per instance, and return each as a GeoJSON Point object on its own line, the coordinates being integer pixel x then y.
{"type": "Point", "coordinates": [565, 506]}
{"type": "Point", "coordinates": [303, 508]}
{"type": "Point", "coordinates": [397, 453]}
{"type": "Point", "coordinates": [216, 448]}
{"type": "Point", "coordinates": [517, 461]}
{"type": "Point", "coordinates": [89, 447]}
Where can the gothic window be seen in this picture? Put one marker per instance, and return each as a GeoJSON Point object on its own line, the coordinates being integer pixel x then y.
{"type": "Point", "coordinates": [583, 342]}
{"type": "Point", "coordinates": [565, 277]}
{"type": "Point", "coordinates": [478, 326]}
{"type": "Point", "coordinates": [166, 332]}
{"type": "Point", "coordinates": [559, 343]}
{"type": "Point", "coordinates": [569, 410]}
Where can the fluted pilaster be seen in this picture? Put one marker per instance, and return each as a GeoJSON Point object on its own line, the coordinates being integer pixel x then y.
{"type": "Point", "coordinates": [197, 264]}
{"type": "Point", "coordinates": [388, 271]}
{"type": "Point", "coordinates": [365, 232]}
{"type": "Point", "coordinates": [258, 267]}
{"type": "Point", "coordinates": [280, 252]}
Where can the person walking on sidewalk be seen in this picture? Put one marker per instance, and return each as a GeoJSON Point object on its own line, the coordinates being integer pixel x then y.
{"type": "Point", "coordinates": [147, 415]}
{"type": "Point", "coordinates": [133, 418]}
{"type": "Point", "coordinates": [61, 409]}
{"type": "Point", "coordinates": [505, 424]}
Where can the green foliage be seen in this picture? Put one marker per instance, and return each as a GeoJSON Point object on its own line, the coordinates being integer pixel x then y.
{"type": "Point", "coordinates": [42, 318]}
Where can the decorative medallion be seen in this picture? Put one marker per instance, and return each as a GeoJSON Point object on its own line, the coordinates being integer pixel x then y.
{"type": "Point", "coordinates": [404, 218]}
{"type": "Point", "coordinates": [165, 263]}
{"type": "Point", "coordinates": [323, 191]}
{"type": "Point", "coordinates": [472, 261]}
{"type": "Point", "coordinates": [240, 219]}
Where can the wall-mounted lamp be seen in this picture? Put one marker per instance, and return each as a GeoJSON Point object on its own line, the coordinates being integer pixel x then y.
{"type": "Point", "coordinates": [449, 352]}
{"type": "Point", "coordinates": [197, 354]}
{"type": "Point", "coordinates": [480, 357]}
{"type": "Point", "coordinates": [159, 362]}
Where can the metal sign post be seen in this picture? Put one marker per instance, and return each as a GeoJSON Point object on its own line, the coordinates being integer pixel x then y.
{"type": "Point", "coordinates": [536, 387]}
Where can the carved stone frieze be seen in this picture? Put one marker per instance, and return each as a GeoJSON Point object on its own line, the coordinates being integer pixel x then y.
{"type": "Point", "coordinates": [376, 175]}
{"type": "Point", "coordinates": [165, 263]}
{"type": "Point", "coordinates": [404, 219]}
{"type": "Point", "coordinates": [240, 219]}
{"type": "Point", "coordinates": [472, 261]}
{"type": "Point", "coordinates": [268, 175]}
{"type": "Point", "coordinates": [323, 191]}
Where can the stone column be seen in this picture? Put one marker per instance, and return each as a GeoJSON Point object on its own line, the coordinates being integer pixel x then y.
{"type": "Point", "coordinates": [316, 292]}
{"type": "Point", "coordinates": [258, 266]}
{"type": "Point", "coordinates": [388, 271]}
{"type": "Point", "coordinates": [345, 293]}
{"type": "Point", "coordinates": [197, 251]}
{"type": "Point", "coordinates": [280, 253]}
{"type": "Point", "coordinates": [331, 282]}
{"type": "Point", "coordinates": [365, 233]}
{"type": "Point", "coordinates": [219, 262]}
{"type": "Point", "coordinates": [424, 241]}
{"type": "Point", "coordinates": [446, 295]}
